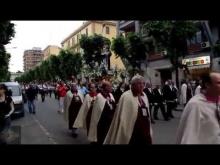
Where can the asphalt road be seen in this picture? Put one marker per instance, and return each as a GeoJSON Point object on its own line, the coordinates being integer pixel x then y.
{"type": "Point", "coordinates": [47, 126]}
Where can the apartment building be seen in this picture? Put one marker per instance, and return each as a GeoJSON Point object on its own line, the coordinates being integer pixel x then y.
{"type": "Point", "coordinates": [32, 57]}
{"type": "Point", "coordinates": [51, 50]}
{"type": "Point", "coordinates": [198, 57]}
{"type": "Point", "coordinates": [104, 28]}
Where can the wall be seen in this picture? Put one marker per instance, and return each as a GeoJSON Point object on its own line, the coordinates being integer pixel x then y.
{"type": "Point", "coordinates": [150, 76]}
{"type": "Point", "coordinates": [215, 64]}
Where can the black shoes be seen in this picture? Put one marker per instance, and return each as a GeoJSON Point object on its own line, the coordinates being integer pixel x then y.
{"type": "Point", "coordinates": [152, 121]}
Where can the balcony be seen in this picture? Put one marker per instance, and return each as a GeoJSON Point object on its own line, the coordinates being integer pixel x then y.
{"type": "Point", "coordinates": [155, 56]}
{"type": "Point", "coordinates": [198, 47]}
{"type": "Point", "coordinates": [126, 25]}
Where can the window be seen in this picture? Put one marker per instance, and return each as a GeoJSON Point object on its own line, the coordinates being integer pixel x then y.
{"type": "Point", "coordinates": [107, 31]}
{"type": "Point", "coordinates": [73, 41]}
{"type": "Point", "coordinates": [77, 38]}
{"type": "Point", "coordinates": [86, 31]}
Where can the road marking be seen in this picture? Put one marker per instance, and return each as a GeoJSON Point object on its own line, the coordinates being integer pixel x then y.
{"type": "Point", "coordinates": [51, 139]}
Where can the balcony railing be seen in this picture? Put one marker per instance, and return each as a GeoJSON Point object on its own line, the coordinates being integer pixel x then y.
{"type": "Point", "coordinates": [156, 56]}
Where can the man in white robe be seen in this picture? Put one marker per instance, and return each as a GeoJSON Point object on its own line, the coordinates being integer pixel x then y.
{"type": "Point", "coordinates": [200, 120]}
{"type": "Point", "coordinates": [102, 114]}
{"type": "Point", "coordinates": [84, 115]}
{"type": "Point", "coordinates": [183, 97]}
{"type": "Point", "coordinates": [126, 116]}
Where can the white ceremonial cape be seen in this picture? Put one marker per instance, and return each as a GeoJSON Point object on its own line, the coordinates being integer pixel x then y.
{"type": "Point", "coordinates": [124, 119]}
{"type": "Point", "coordinates": [183, 94]}
{"type": "Point", "coordinates": [198, 123]}
{"type": "Point", "coordinates": [80, 121]}
{"type": "Point", "coordinates": [67, 102]}
{"type": "Point", "coordinates": [95, 117]}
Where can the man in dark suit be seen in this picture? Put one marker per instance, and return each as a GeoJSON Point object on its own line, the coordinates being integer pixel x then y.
{"type": "Point", "coordinates": [150, 95]}
{"type": "Point", "coordinates": [159, 103]}
{"type": "Point", "coordinates": [169, 95]}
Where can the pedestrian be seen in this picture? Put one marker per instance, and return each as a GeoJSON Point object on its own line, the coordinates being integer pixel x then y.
{"type": "Point", "coordinates": [189, 92]}
{"type": "Point", "coordinates": [66, 103]}
{"type": "Point", "coordinates": [74, 107]}
{"type": "Point", "coordinates": [159, 102]}
{"type": "Point", "coordinates": [123, 87]}
{"type": "Point", "coordinates": [102, 114]}
{"type": "Point", "coordinates": [175, 94]}
{"type": "Point", "coordinates": [43, 93]}
{"type": "Point", "coordinates": [31, 95]}
{"type": "Point", "coordinates": [61, 89]}
{"type": "Point", "coordinates": [6, 109]}
{"type": "Point", "coordinates": [183, 93]}
{"type": "Point", "coordinates": [200, 121]}
{"type": "Point", "coordinates": [82, 88]}
{"type": "Point", "coordinates": [198, 87]}
{"type": "Point", "coordinates": [131, 122]}
{"type": "Point", "coordinates": [169, 97]}
{"type": "Point", "coordinates": [151, 98]}
{"type": "Point", "coordinates": [84, 117]}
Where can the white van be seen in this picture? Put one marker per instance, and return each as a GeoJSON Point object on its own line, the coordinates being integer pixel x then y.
{"type": "Point", "coordinates": [17, 98]}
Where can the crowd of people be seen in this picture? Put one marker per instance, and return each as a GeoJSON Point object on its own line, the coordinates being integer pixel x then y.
{"type": "Point", "coordinates": [125, 114]}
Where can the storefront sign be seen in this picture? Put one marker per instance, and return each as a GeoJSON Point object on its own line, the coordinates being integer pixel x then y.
{"type": "Point", "coordinates": [204, 60]}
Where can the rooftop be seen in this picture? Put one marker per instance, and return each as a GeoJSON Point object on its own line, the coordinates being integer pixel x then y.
{"type": "Point", "coordinates": [85, 24]}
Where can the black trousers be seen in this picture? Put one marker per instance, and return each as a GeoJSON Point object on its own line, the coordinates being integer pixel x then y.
{"type": "Point", "coordinates": [150, 109]}
{"type": "Point", "coordinates": [162, 108]}
{"type": "Point", "coordinates": [170, 107]}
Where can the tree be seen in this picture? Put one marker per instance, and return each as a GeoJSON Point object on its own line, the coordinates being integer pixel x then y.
{"type": "Point", "coordinates": [172, 36]}
{"type": "Point", "coordinates": [6, 34]}
{"type": "Point", "coordinates": [131, 49]}
{"type": "Point", "coordinates": [93, 47]}
{"type": "Point", "coordinates": [54, 63]}
{"type": "Point", "coordinates": [70, 63]}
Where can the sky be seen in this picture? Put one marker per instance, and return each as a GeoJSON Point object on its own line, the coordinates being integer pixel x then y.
{"type": "Point", "coordinates": [29, 34]}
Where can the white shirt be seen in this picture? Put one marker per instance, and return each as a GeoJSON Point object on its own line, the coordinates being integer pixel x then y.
{"type": "Point", "coordinates": [198, 90]}
{"type": "Point", "coordinates": [159, 91]}
{"type": "Point", "coordinates": [198, 123]}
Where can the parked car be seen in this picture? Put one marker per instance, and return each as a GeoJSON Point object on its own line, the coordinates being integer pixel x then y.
{"type": "Point", "coordinates": [17, 97]}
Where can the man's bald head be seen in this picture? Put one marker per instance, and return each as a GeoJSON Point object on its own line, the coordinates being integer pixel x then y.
{"type": "Point", "coordinates": [211, 82]}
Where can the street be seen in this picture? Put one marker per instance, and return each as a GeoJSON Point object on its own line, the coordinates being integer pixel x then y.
{"type": "Point", "coordinates": [49, 127]}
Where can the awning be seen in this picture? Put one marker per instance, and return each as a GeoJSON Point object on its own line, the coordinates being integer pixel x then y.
{"type": "Point", "coordinates": [199, 66]}
{"type": "Point", "coordinates": [162, 67]}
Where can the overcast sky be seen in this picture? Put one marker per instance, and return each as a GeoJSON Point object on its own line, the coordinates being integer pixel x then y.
{"type": "Point", "coordinates": [31, 34]}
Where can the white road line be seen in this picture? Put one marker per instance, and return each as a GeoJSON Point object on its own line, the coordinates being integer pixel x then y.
{"type": "Point", "coordinates": [45, 131]}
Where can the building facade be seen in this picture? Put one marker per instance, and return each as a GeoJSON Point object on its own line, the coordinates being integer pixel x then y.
{"type": "Point", "coordinates": [198, 57]}
{"type": "Point", "coordinates": [105, 28]}
{"type": "Point", "coordinates": [51, 50]}
{"type": "Point", "coordinates": [32, 58]}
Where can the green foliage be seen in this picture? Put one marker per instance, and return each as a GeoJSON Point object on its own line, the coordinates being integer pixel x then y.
{"type": "Point", "coordinates": [130, 48]}
{"type": "Point", "coordinates": [6, 34]}
{"type": "Point", "coordinates": [93, 47]}
{"type": "Point", "coordinates": [119, 47]}
{"type": "Point", "coordinates": [172, 36]}
{"type": "Point", "coordinates": [62, 66]}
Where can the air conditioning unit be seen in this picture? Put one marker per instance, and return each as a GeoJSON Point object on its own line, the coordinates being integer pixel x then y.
{"type": "Point", "coordinates": [205, 45]}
